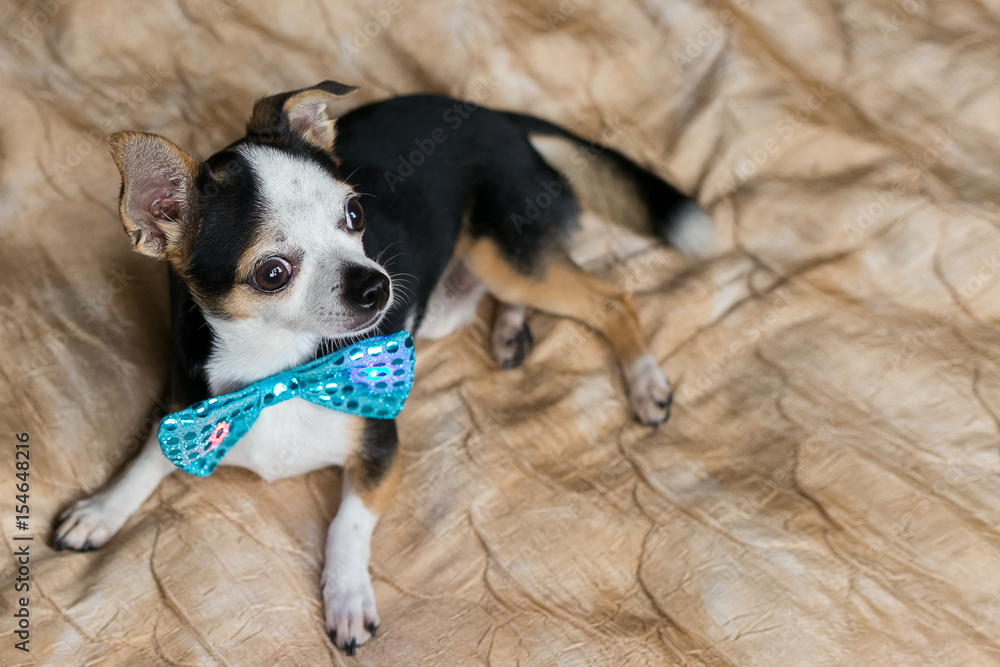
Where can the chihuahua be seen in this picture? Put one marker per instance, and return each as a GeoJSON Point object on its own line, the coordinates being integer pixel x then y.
{"type": "Point", "coordinates": [273, 245]}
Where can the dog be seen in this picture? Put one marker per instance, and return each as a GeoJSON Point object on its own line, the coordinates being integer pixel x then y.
{"type": "Point", "coordinates": [272, 246]}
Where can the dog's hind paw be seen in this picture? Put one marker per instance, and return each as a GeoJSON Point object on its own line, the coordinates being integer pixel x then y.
{"type": "Point", "coordinates": [349, 602]}
{"type": "Point", "coordinates": [649, 391]}
{"type": "Point", "coordinates": [511, 337]}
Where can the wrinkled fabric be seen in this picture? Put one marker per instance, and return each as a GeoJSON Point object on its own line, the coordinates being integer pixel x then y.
{"type": "Point", "coordinates": [826, 491]}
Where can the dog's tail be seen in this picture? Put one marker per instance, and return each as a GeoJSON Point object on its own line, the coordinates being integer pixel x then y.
{"type": "Point", "coordinates": [619, 190]}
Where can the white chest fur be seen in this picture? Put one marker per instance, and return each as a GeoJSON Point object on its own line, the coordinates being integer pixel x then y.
{"type": "Point", "coordinates": [289, 438]}
{"type": "Point", "coordinates": [295, 437]}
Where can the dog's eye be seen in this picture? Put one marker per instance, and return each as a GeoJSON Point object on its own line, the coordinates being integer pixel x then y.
{"type": "Point", "coordinates": [273, 274]}
{"type": "Point", "coordinates": [355, 215]}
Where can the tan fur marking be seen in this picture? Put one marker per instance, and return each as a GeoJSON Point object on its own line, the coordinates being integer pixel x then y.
{"type": "Point", "coordinates": [597, 182]}
{"type": "Point", "coordinates": [238, 304]}
{"type": "Point", "coordinates": [308, 118]}
{"type": "Point", "coordinates": [376, 497]}
{"type": "Point", "coordinates": [561, 289]}
{"type": "Point", "coordinates": [243, 301]}
{"type": "Point", "coordinates": [302, 108]}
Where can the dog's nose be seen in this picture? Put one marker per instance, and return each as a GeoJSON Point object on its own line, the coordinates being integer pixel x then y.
{"type": "Point", "coordinates": [366, 288]}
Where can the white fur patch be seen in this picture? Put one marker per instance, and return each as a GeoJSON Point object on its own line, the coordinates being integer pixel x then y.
{"type": "Point", "coordinates": [692, 233]}
{"type": "Point", "coordinates": [453, 302]}
{"type": "Point", "coordinates": [249, 350]}
{"type": "Point", "coordinates": [411, 320]}
{"type": "Point", "coordinates": [648, 390]}
{"type": "Point", "coordinates": [293, 438]}
{"type": "Point", "coordinates": [348, 595]}
{"type": "Point", "coordinates": [304, 201]}
{"type": "Point", "coordinates": [447, 314]}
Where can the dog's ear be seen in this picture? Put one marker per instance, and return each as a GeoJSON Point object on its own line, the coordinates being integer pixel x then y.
{"type": "Point", "coordinates": [305, 113]}
{"type": "Point", "coordinates": [158, 192]}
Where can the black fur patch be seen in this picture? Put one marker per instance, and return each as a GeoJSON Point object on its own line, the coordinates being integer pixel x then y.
{"type": "Point", "coordinates": [379, 442]}
{"type": "Point", "coordinates": [231, 210]}
{"type": "Point", "coordinates": [192, 345]}
{"type": "Point", "coordinates": [431, 162]}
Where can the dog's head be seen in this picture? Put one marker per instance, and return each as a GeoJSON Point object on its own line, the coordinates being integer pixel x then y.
{"type": "Point", "coordinates": [266, 228]}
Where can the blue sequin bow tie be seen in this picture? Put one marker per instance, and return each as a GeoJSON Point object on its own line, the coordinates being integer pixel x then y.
{"type": "Point", "coordinates": [371, 378]}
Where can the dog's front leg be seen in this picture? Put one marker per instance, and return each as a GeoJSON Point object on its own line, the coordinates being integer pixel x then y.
{"type": "Point", "coordinates": [90, 522]}
{"type": "Point", "coordinates": [370, 478]}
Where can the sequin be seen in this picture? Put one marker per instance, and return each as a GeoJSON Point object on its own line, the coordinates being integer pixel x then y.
{"type": "Point", "coordinates": [196, 438]}
{"type": "Point", "coordinates": [219, 434]}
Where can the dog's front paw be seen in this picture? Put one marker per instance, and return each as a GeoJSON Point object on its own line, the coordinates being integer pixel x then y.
{"type": "Point", "coordinates": [349, 602]}
{"type": "Point", "coordinates": [649, 391]}
{"type": "Point", "coordinates": [88, 524]}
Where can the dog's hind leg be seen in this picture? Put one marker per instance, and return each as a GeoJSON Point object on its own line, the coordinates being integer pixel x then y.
{"type": "Point", "coordinates": [558, 287]}
{"type": "Point", "coordinates": [511, 337]}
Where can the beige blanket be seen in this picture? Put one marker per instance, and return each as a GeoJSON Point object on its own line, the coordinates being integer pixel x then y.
{"type": "Point", "coordinates": [826, 492]}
